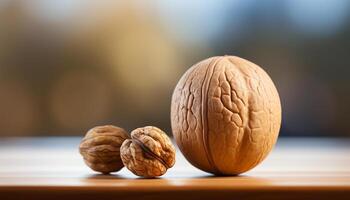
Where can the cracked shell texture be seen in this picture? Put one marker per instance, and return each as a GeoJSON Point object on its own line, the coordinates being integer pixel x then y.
{"type": "Point", "coordinates": [225, 115]}
{"type": "Point", "coordinates": [101, 148]}
{"type": "Point", "coordinates": [149, 152]}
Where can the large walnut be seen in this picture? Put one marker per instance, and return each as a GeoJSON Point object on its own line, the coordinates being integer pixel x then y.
{"type": "Point", "coordinates": [101, 148]}
{"type": "Point", "coordinates": [225, 115]}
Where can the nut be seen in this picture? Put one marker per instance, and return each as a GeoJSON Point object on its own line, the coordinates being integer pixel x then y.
{"type": "Point", "coordinates": [148, 153]}
{"type": "Point", "coordinates": [101, 148]}
{"type": "Point", "coordinates": [225, 115]}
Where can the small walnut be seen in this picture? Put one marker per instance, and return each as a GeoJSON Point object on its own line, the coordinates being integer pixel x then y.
{"type": "Point", "coordinates": [101, 148]}
{"type": "Point", "coordinates": [149, 153]}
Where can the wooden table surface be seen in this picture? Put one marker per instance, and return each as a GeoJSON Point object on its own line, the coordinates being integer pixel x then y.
{"type": "Point", "coordinates": [51, 168]}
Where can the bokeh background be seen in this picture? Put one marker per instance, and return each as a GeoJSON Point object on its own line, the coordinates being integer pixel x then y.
{"type": "Point", "coordinates": [68, 65]}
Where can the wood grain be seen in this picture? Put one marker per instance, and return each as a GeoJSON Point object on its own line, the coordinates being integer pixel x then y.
{"type": "Point", "coordinates": [41, 168]}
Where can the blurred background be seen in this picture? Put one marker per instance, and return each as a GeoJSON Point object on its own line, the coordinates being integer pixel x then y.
{"type": "Point", "coordinates": [69, 65]}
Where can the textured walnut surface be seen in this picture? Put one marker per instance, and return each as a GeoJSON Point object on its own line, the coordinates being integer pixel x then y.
{"type": "Point", "coordinates": [101, 148]}
{"type": "Point", "coordinates": [225, 115]}
{"type": "Point", "coordinates": [148, 153]}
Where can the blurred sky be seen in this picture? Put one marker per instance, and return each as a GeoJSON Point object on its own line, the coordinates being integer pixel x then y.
{"type": "Point", "coordinates": [68, 65]}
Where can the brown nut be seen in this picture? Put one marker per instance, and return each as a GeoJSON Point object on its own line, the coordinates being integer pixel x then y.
{"type": "Point", "coordinates": [148, 153]}
{"type": "Point", "coordinates": [225, 115]}
{"type": "Point", "coordinates": [101, 148]}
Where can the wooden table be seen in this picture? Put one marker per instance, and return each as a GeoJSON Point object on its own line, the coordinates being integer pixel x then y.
{"type": "Point", "coordinates": [51, 168]}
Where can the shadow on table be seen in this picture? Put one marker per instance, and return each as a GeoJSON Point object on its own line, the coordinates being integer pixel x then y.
{"type": "Point", "coordinates": [212, 179]}
{"type": "Point", "coordinates": [104, 176]}
{"type": "Point", "coordinates": [237, 180]}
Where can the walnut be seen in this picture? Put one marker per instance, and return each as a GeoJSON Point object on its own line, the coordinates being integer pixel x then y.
{"type": "Point", "coordinates": [101, 148]}
{"type": "Point", "coordinates": [225, 115]}
{"type": "Point", "coordinates": [149, 152]}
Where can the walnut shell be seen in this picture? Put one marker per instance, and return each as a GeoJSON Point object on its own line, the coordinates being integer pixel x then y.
{"type": "Point", "coordinates": [149, 152]}
{"type": "Point", "coordinates": [101, 148]}
{"type": "Point", "coordinates": [225, 115]}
